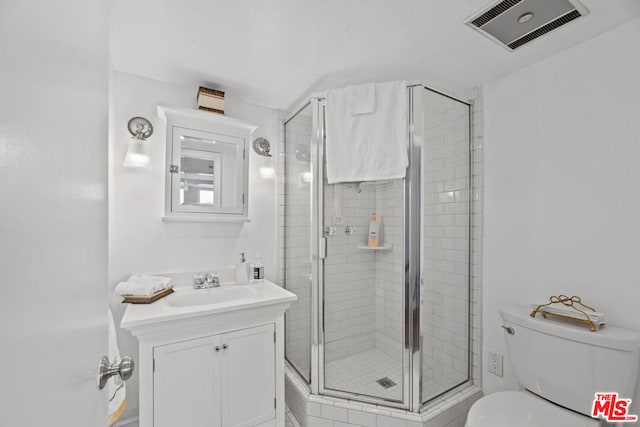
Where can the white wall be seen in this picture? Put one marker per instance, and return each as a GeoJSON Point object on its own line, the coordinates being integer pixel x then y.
{"type": "Point", "coordinates": [562, 174]}
{"type": "Point", "coordinates": [138, 240]}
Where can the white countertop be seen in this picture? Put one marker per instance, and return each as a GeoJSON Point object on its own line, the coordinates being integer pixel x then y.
{"type": "Point", "coordinates": [258, 294]}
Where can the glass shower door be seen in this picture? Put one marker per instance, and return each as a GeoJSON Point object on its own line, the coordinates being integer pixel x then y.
{"type": "Point", "coordinates": [442, 130]}
{"type": "Point", "coordinates": [363, 292]}
{"type": "Point", "coordinates": [297, 228]}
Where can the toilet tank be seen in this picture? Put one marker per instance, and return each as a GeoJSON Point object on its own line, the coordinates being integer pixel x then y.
{"type": "Point", "coordinates": [566, 363]}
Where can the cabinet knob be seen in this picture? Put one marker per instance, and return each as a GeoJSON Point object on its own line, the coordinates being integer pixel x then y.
{"type": "Point", "coordinates": [224, 346]}
{"type": "Point", "coordinates": [218, 348]}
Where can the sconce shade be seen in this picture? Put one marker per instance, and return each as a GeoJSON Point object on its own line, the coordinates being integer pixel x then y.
{"type": "Point", "coordinates": [137, 155]}
{"type": "Point", "coordinates": [266, 172]}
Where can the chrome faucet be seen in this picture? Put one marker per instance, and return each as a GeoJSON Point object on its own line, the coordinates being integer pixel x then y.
{"type": "Point", "coordinates": [209, 280]}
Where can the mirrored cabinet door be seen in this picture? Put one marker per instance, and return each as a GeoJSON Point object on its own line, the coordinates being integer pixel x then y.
{"type": "Point", "coordinates": [207, 171]}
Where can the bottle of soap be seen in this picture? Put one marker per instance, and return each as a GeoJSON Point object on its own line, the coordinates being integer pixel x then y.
{"type": "Point", "coordinates": [242, 270]}
{"type": "Point", "coordinates": [374, 232]}
{"type": "Point", "coordinates": [258, 268]}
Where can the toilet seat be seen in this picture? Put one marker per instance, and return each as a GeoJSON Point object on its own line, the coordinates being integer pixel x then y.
{"type": "Point", "coordinates": [523, 409]}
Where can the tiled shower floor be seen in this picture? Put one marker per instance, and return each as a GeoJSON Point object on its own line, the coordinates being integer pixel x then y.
{"type": "Point", "coordinates": [358, 373]}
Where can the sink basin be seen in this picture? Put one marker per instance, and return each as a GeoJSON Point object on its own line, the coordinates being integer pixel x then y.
{"type": "Point", "coordinates": [186, 303]}
{"type": "Point", "coordinates": [219, 295]}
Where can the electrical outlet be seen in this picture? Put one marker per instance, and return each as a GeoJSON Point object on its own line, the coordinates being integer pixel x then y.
{"type": "Point", "coordinates": [495, 364]}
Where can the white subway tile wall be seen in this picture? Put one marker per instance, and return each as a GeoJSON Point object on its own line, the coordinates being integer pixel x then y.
{"type": "Point", "coordinates": [363, 290]}
{"type": "Point", "coordinates": [349, 276]}
{"type": "Point", "coordinates": [389, 271]}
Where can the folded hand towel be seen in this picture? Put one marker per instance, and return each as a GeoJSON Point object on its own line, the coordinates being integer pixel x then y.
{"type": "Point", "coordinates": [132, 288]}
{"type": "Point", "coordinates": [160, 281]}
{"type": "Point", "coordinates": [362, 99]}
{"type": "Point", "coordinates": [367, 147]}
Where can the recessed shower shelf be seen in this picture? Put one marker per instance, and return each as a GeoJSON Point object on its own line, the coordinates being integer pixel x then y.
{"type": "Point", "coordinates": [383, 248]}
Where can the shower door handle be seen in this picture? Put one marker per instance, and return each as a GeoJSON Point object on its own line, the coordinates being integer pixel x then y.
{"type": "Point", "coordinates": [323, 248]}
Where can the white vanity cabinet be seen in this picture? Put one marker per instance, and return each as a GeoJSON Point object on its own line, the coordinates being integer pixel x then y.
{"type": "Point", "coordinates": [223, 380]}
{"type": "Point", "coordinates": [211, 357]}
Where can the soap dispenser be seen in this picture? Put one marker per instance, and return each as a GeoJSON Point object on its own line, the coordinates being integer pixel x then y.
{"type": "Point", "coordinates": [242, 270]}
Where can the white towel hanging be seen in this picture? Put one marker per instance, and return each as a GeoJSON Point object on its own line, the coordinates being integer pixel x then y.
{"type": "Point", "coordinates": [367, 147]}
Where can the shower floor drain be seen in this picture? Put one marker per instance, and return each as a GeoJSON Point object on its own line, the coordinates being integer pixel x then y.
{"type": "Point", "coordinates": [386, 382]}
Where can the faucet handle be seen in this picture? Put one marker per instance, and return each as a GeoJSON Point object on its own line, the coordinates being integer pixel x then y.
{"type": "Point", "coordinates": [213, 278]}
{"type": "Point", "coordinates": [198, 281]}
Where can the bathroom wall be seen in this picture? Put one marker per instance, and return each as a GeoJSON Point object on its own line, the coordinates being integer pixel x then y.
{"type": "Point", "coordinates": [562, 200]}
{"type": "Point", "coordinates": [138, 240]}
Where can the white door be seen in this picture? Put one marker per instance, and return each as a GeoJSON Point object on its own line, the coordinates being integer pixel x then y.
{"type": "Point", "coordinates": [53, 211]}
{"type": "Point", "coordinates": [248, 377]}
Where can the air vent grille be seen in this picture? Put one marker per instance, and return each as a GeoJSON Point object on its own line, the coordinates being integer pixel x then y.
{"type": "Point", "coordinates": [574, 14]}
{"type": "Point", "coordinates": [494, 11]}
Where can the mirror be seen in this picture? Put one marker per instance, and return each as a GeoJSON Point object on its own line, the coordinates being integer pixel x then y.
{"type": "Point", "coordinates": [207, 166]}
{"type": "Point", "coordinates": [209, 172]}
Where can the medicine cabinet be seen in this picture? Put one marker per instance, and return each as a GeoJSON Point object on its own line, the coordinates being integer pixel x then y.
{"type": "Point", "coordinates": [207, 164]}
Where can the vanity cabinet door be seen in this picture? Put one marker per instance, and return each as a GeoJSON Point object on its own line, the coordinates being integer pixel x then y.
{"type": "Point", "coordinates": [248, 377]}
{"type": "Point", "coordinates": [186, 384]}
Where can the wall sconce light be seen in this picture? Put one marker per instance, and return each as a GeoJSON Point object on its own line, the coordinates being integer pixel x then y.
{"type": "Point", "coordinates": [138, 151]}
{"type": "Point", "coordinates": [263, 148]}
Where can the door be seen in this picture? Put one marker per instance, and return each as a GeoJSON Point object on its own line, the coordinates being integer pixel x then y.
{"type": "Point", "coordinates": [362, 290]}
{"type": "Point", "coordinates": [53, 212]}
{"type": "Point", "coordinates": [248, 377]}
{"type": "Point", "coordinates": [186, 384]}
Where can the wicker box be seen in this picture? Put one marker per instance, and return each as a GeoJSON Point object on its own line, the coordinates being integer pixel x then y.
{"type": "Point", "coordinates": [211, 100]}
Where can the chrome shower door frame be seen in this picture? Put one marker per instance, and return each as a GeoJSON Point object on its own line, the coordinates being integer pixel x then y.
{"type": "Point", "coordinates": [320, 245]}
{"type": "Point", "coordinates": [412, 259]}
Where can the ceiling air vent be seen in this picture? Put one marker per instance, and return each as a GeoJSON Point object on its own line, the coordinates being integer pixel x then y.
{"type": "Point", "coordinates": [514, 23]}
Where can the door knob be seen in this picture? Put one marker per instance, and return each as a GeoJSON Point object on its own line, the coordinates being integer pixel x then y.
{"type": "Point", "coordinates": [106, 370]}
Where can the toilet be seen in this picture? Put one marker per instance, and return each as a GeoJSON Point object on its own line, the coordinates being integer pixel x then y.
{"type": "Point", "coordinates": [560, 367]}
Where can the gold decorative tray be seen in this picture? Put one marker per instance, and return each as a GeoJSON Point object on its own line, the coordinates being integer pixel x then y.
{"type": "Point", "coordinates": [577, 313]}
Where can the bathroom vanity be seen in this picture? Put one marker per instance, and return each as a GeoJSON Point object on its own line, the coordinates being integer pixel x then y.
{"type": "Point", "coordinates": [212, 357]}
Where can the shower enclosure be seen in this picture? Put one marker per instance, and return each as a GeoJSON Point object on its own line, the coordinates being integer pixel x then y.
{"type": "Point", "coordinates": [388, 325]}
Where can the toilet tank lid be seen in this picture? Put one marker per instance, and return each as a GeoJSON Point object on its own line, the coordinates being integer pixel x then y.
{"type": "Point", "coordinates": [608, 336]}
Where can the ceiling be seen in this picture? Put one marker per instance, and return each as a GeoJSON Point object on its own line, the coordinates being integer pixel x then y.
{"type": "Point", "coordinates": [276, 52]}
